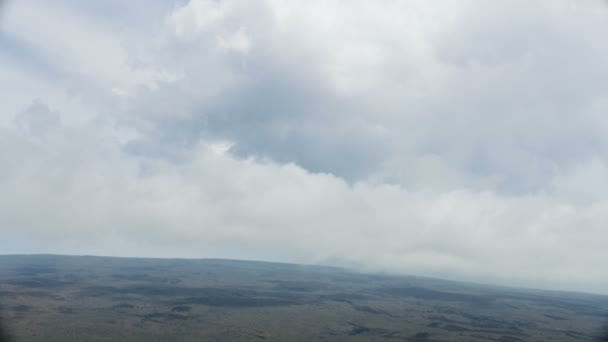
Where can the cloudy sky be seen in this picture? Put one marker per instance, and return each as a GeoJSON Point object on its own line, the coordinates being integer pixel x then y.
{"type": "Point", "coordinates": [459, 139]}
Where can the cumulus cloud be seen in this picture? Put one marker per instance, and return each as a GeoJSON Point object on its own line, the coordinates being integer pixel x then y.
{"type": "Point", "coordinates": [451, 139]}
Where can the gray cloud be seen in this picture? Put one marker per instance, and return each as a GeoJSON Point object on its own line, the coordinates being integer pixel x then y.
{"type": "Point", "coordinates": [449, 139]}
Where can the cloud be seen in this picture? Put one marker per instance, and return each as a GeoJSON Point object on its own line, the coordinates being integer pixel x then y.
{"type": "Point", "coordinates": [37, 119]}
{"type": "Point", "coordinates": [451, 139]}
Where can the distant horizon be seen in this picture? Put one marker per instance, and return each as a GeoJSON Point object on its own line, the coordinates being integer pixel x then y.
{"type": "Point", "coordinates": [343, 268]}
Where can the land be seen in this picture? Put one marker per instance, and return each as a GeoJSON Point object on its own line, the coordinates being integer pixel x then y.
{"type": "Point", "coordinates": [70, 298]}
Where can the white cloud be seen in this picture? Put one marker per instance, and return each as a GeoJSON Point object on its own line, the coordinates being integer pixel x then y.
{"type": "Point", "coordinates": [448, 139]}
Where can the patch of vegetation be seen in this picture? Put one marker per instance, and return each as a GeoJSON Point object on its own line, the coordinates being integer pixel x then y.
{"type": "Point", "coordinates": [181, 308]}
{"type": "Point", "coordinates": [40, 283]}
{"type": "Point", "coordinates": [65, 310]}
{"type": "Point", "coordinates": [429, 294]}
{"type": "Point", "coordinates": [34, 270]}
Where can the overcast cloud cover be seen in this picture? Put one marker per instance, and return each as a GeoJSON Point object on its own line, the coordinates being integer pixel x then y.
{"type": "Point", "coordinates": [461, 139]}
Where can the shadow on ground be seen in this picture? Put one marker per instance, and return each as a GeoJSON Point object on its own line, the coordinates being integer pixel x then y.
{"type": "Point", "coordinates": [604, 334]}
{"type": "Point", "coordinates": [3, 333]}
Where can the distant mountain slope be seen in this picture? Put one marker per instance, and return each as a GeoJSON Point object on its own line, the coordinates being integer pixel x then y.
{"type": "Point", "coordinates": [77, 298]}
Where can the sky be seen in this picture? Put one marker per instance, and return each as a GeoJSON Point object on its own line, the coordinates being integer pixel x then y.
{"type": "Point", "coordinates": [457, 139]}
